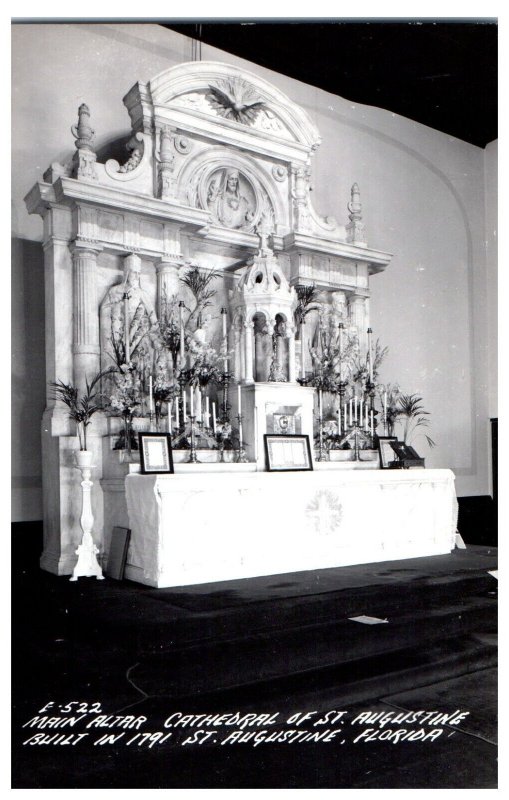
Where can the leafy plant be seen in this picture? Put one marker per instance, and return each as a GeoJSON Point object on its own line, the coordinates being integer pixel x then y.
{"type": "Point", "coordinates": [414, 416]}
{"type": "Point", "coordinates": [306, 296]}
{"type": "Point", "coordinates": [81, 409]}
{"type": "Point", "coordinates": [199, 282]}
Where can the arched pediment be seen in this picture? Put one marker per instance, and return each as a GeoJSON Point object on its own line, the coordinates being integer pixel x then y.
{"type": "Point", "coordinates": [207, 93]}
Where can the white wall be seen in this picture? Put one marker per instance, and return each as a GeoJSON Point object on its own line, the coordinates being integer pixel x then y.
{"type": "Point", "coordinates": [424, 200]}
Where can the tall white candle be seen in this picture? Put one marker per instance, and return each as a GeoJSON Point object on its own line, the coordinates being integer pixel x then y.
{"type": "Point", "coordinates": [385, 406]}
{"type": "Point", "coordinates": [366, 417]}
{"type": "Point", "coordinates": [127, 344]}
{"type": "Point", "coordinates": [225, 340]}
{"type": "Point", "coordinates": [239, 398]}
{"type": "Point", "coordinates": [214, 417]}
{"type": "Point", "coordinates": [170, 413]}
{"type": "Point", "coordinates": [339, 419]}
{"type": "Point", "coordinates": [191, 397]}
{"type": "Point", "coordinates": [351, 415]}
{"type": "Point", "coordinates": [370, 356]}
{"type": "Point", "coordinates": [302, 352]}
{"type": "Point", "coordinates": [344, 417]}
{"type": "Point", "coordinates": [181, 313]}
{"type": "Point", "coordinates": [199, 412]}
{"type": "Point", "coordinates": [184, 410]}
{"type": "Point", "coordinates": [361, 403]}
{"type": "Point", "coordinates": [355, 409]}
{"type": "Point", "coordinates": [320, 407]}
{"type": "Point", "coordinates": [372, 425]}
{"type": "Point", "coordinates": [177, 414]}
{"type": "Point", "coordinates": [150, 396]}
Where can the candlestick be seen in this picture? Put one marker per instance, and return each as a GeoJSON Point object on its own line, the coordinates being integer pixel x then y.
{"type": "Point", "coordinates": [366, 417]}
{"type": "Point", "coordinates": [239, 398]}
{"type": "Point", "coordinates": [320, 409]}
{"type": "Point", "coordinates": [214, 417]}
{"type": "Point", "coordinates": [127, 344]}
{"type": "Point", "coordinates": [191, 396]}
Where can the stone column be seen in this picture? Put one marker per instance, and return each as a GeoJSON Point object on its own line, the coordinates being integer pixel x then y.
{"type": "Point", "coordinates": [292, 371]}
{"type": "Point", "coordinates": [358, 316]}
{"type": "Point", "coordinates": [238, 356]}
{"type": "Point", "coordinates": [167, 271]}
{"type": "Point", "coordinates": [86, 347]}
{"type": "Point", "coordinates": [248, 342]}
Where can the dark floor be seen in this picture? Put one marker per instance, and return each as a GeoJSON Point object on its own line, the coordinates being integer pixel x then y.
{"type": "Point", "coordinates": [280, 645]}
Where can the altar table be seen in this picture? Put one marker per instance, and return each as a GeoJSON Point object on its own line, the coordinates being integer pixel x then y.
{"type": "Point", "coordinates": [197, 528]}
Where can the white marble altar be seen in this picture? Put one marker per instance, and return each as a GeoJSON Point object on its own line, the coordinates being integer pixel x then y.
{"type": "Point", "coordinates": [217, 178]}
{"type": "Point", "coordinates": [201, 527]}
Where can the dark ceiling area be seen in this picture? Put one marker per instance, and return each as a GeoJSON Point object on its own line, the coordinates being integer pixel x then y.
{"type": "Point", "coordinates": [439, 73]}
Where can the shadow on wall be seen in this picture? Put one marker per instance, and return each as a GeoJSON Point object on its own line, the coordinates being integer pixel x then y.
{"type": "Point", "coordinates": [28, 366]}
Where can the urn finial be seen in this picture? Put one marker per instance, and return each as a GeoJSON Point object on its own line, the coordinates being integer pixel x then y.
{"type": "Point", "coordinates": [83, 131]}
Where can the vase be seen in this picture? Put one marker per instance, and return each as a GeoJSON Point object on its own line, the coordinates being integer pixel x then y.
{"type": "Point", "coordinates": [84, 458]}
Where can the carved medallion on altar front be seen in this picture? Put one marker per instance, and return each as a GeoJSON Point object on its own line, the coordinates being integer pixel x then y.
{"type": "Point", "coordinates": [325, 512]}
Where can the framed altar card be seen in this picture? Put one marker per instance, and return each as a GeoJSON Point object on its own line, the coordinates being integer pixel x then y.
{"type": "Point", "coordinates": [386, 450]}
{"type": "Point", "coordinates": [155, 453]}
{"type": "Point", "coordinates": [285, 452]}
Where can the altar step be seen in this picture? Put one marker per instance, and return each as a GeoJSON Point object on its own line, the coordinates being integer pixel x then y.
{"type": "Point", "coordinates": [431, 633]}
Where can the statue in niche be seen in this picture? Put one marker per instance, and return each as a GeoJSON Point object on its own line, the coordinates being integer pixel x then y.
{"type": "Point", "coordinates": [263, 348]}
{"type": "Point", "coordinates": [277, 372]}
{"type": "Point", "coordinates": [228, 205]}
{"type": "Point", "coordinates": [142, 327]}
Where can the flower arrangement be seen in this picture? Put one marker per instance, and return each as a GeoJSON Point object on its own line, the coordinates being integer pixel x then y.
{"type": "Point", "coordinates": [123, 401]}
{"type": "Point", "coordinates": [81, 409]}
{"type": "Point", "coordinates": [169, 328]}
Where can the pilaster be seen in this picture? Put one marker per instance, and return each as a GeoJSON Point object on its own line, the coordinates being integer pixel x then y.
{"type": "Point", "coordinates": [86, 346]}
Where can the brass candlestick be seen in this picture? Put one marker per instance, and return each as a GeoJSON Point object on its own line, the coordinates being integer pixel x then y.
{"type": "Point", "coordinates": [193, 458]}
{"type": "Point", "coordinates": [241, 454]}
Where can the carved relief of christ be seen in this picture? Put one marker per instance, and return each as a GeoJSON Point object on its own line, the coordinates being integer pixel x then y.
{"type": "Point", "coordinates": [227, 201]}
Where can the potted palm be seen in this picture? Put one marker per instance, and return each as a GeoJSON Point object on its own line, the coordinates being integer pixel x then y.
{"type": "Point", "coordinates": [412, 416]}
{"type": "Point", "coordinates": [81, 410]}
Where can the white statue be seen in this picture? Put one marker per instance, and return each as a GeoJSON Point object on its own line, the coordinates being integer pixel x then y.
{"type": "Point", "coordinates": [121, 337]}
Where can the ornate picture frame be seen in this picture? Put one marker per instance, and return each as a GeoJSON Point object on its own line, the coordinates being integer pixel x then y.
{"type": "Point", "coordinates": [287, 452]}
{"type": "Point", "coordinates": [156, 456]}
{"type": "Point", "coordinates": [386, 450]}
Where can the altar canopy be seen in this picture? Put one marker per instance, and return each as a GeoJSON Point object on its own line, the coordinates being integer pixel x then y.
{"type": "Point", "coordinates": [188, 529]}
{"type": "Point", "coordinates": [198, 276]}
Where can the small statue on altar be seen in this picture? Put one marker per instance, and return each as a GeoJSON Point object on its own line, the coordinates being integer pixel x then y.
{"type": "Point", "coordinates": [277, 372]}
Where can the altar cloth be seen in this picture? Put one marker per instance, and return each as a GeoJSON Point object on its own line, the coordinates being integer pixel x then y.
{"type": "Point", "coordinates": [188, 529]}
